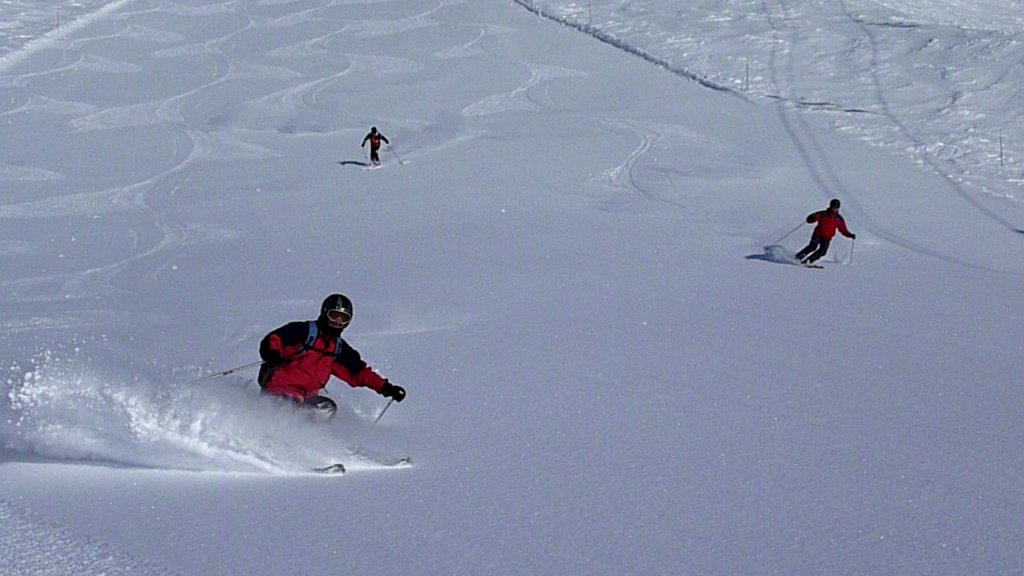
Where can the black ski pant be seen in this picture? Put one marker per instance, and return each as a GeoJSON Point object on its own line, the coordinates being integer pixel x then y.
{"type": "Point", "coordinates": [322, 405]}
{"type": "Point", "coordinates": [816, 248]}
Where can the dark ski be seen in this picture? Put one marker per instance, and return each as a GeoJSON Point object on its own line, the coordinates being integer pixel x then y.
{"type": "Point", "coordinates": [337, 468]}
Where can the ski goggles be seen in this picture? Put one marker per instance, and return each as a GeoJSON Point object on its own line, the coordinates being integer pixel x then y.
{"type": "Point", "coordinates": [339, 317]}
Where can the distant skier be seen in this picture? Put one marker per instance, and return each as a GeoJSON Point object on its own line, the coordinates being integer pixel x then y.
{"type": "Point", "coordinates": [828, 220]}
{"type": "Point", "coordinates": [374, 138]}
{"type": "Point", "coordinates": [300, 358]}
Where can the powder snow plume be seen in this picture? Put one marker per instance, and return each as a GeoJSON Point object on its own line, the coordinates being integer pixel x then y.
{"type": "Point", "coordinates": [60, 408]}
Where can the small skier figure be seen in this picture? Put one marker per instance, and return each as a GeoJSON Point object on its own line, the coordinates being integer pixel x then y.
{"type": "Point", "coordinates": [375, 139]}
{"type": "Point", "coordinates": [828, 220]}
{"type": "Point", "coordinates": [300, 358]}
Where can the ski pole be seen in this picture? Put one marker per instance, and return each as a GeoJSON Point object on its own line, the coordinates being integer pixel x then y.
{"type": "Point", "coordinates": [386, 406]}
{"type": "Point", "coordinates": [399, 158]}
{"type": "Point", "coordinates": [787, 235]}
{"type": "Point", "coordinates": [227, 372]}
{"type": "Point", "coordinates": [853, 243]}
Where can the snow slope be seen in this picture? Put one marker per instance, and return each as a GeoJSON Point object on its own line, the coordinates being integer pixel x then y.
{"type": "Point", "coordinates": [571, 260]}
{"type": "Point", "coordinates": [932, 81]}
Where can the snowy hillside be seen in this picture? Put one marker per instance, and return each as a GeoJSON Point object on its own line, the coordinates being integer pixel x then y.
{"type": "Point", "coordinates": [929, 80]}
{"type": "Point", "coordinates": [575, 260]}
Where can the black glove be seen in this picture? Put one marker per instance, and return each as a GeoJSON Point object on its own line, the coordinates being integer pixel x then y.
{"type": "Point", "coordinates": [853, 236]}
{"type": "Point", "coordinates": [273, 358]}
{"type": "Point", "coordinates": [389, 390]}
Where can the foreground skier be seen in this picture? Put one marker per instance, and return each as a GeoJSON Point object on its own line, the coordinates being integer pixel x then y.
{"type": "Point", "coordinates": [300, 357]}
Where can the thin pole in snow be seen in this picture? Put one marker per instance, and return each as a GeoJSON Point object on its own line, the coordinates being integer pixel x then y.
{"type": "Point", "coordinates": [227, 372]}
{"type": "Point", "coordinates": [788, 234]}
{"type": "Point", "coordinates": [386, 406]}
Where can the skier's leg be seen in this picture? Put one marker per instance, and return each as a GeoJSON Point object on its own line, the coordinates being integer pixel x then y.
{"type": "Point", "coordinates": [323, 406]}
{"type": "Point", "coordinates": [807, 249]}
{"type": "Point", "coordinates": [822, 249]}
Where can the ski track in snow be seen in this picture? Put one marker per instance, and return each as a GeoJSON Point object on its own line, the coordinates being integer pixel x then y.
{"type": "Point", "coordinates": [64, 413]}
{"type": "Point", "coordinates": [197, 112]}
{"type": "Point", "coordinates": [521, 98]}
{"type": "Point", "coordinates": [62, 410]}
{"type": "Point", "coordinates": [48, 29]}
{"type": "Point", "coordinates": [870, 87]}
{"type": "Point", "coordinates": [782, 68]}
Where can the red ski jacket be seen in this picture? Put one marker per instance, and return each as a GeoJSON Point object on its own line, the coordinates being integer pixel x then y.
{"type": "Point", "coordinates": [301, 359]}
{"type": "Point", "coordinates": [828, 223]}
{"type": "Point", "coordinates": [375, 140]}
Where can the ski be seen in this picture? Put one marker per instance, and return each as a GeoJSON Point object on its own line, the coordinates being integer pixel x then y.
{"type": "Point", "coordinates": [815, 266]}
{"type": "Point", "coordinates": [337, 468]}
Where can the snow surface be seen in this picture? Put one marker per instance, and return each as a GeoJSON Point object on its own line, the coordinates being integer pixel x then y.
{"type": "Point", "coordinates": [577, 261]}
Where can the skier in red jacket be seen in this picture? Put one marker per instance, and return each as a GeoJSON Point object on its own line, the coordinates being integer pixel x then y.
{"type": "Point", "coordinates": [829, 221]}
{"type": "Point", "coordinates": [375, 139]}
{"type": "Point", "coordinates": [300, 357]}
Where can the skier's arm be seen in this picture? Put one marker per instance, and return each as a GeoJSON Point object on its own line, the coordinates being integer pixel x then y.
{"type": "Point", "coordinates": [365, 138]}
{"type": "Point", "coordinates": [351, 368]}
{"type": "Point", "coordinates": [280, 343]}
{"type": "Point", "coordinates": [813, 217]}
{"type": "Point", "coordinates": [386, 141]}
{"type": "Point", "coordinates": [844, 230]}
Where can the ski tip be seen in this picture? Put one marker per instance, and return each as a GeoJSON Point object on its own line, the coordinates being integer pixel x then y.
{"type": "Point", "coordinates": [338, 469]}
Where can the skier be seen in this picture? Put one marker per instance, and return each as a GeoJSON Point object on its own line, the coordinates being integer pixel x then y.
{"type": "Point", "coordinates": [300, 358]}
{"type": "Point", "coordinates": [828, 220]}
{"type": "Point", "coordinates": [375, 139]}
